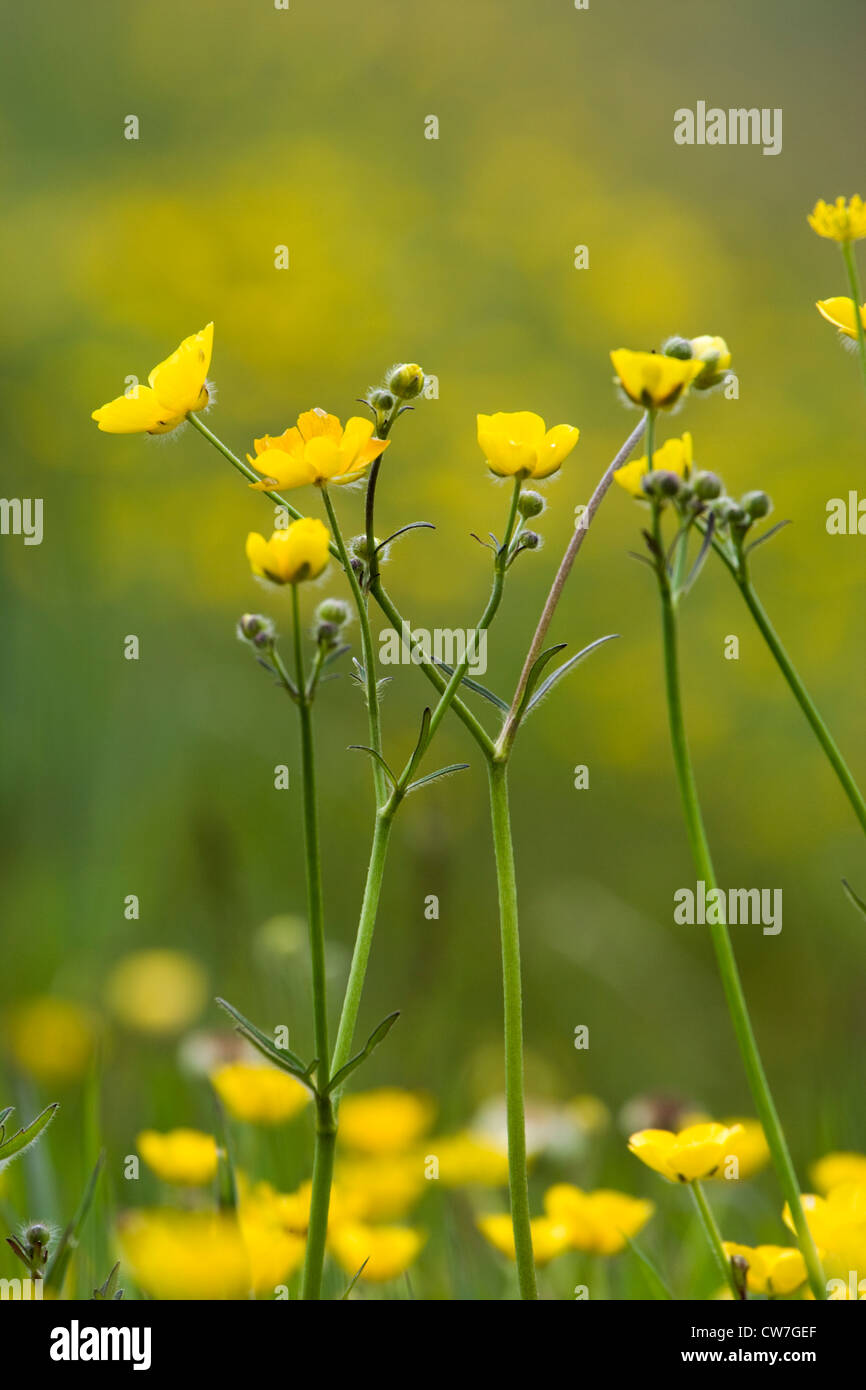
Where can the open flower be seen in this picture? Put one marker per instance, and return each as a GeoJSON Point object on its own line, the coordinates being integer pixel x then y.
{"type": "Point", "coordinates": [844, 220]}
{"type": "Point", "coordinates": [469, 1160]}
{"type": "Point", "coordinates": [694, 1154]}
{"type": "Point", "coordinates": [652, 379]}
{"type": "Point", "coordinates": [549, 1238]}
{"type": "Point", "coordinates": [386, 1120]}
{"type": "Point", "coordinates": [836, 1168]}
{"type": "Point", "coordinates": [521, 444]}
{"type": "Point", "coordinates": [182, 1255]}
{"type": "Point", "coordinates": [294, 554]}
{"type": "Point", "coordinates": [316, 450]}
{"type": "Point", "coordinates": [773, 1269]}
{"type": "Point", "coordinates": [599, 1222]}
{"type": "Point", "coordinates": [840, 312]}
{"type": "Point", "coordinates": [184, 1156]}
{"type": "Point", "coordinates": [261, 1095]}
{"type": "Point", "coordinates": [674, 456]}
{"type": "Point", "coordinates": [838, 1226]}
{"type": "Point", "coordinates": [174, 388]}
{"type": "Point", "coordinates": [387, 1250]}
{"type": "Point", "coordinates": [53, 1039]}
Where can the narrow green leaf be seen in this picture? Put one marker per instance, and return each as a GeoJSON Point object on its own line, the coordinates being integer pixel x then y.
{"type": "Point", "coordinates": [281, 1057]}
{"type": "Point", "coordinates": [421, 744]}
{"type": "Point", "coordinates": [653, 1277]}
{"type": "Point", "coordinates": [854, 897]}
{"type": "Point", "coordinates": [413, 526]}
{"type": "Point", "coordinates": [362, 748]}
{"type": "Point", "coordinates": [766, 536]}
{"type": "Point", "coordinates": [378, 1035]}
{"type": "Point", "coordinates": [434, 776]}
{"type": "Point", "coordinates": [109, 1291]}
{"type": "Point", "coordinates": [68, 1243]}
{"type": "Point", "coordinates": [11, 1148]}
{"type": "Point", "coordinates": [355, 1277]}
{"type": "Point", "coordinates": [536, 673]}
{"type": "Point", "coordinates": [475, 686]}
{"type": "Point", "coordinates": [567, 666]}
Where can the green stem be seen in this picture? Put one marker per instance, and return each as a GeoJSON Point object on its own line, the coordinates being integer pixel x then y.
{"type": "Point", "coordinates": [320, 1199]}
{"type": "Point", "coordinates": [714, 1238]}
{"type": "Point", "coordinates": [854, 281]}
{"type": "Point", "coordinates": [513, 1019]}
{"type": "Point", "coordinates": [804, 700]}
{"type": "Point", "coordinates": [363, 940]}
{"type": "Point", "coordinates": [650, 439]}
{"type": "Point", "coordinates": [730, 975]}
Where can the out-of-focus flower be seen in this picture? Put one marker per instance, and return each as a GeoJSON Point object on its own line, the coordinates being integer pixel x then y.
{"type": "Point", "coordinates": [549, 1238]}
{"type": "Point", "coordinates": [259, 1095]}
{"type": "Point", "coordinates": [591, 1113]}
{"type": "Point", "coordinates": [774, 1270]}
{"type": "Point", "coordinates": [698, 1152]}
{"type": "Point", "coordinates": [838, 1226]}
{"type": "Point", "coordinates": [844, 220]}
{"type": "Point", "coordinates": [836, 1168]}
{"type": "Point", "coordinates": [468, 1160]}
{"type": "Point", "coordinates": [174, 388]}
{"type": "Point", "coordinates": [182, 1255]}
{"type": "Point", "coordinates": [388, 1250]}
{"type": "Point", "coordinates": [715, 357]}
{"type": "Point", "coordinates": [519, 443]}
{"type": "Point", "coordinates": [52, 1039]}
{"type": "Point", "coordinates": [652, 379]}
{"type": "Point", "coordinates": [316, 450]}
{"type": "Point", "coordinates": [298, 552]}
{"type": "Point", "coordinates": [159, 991]}
{"type": "Point", "coordinates": [383, 1188]}
{"type": "Point", "coordinates": [674, 456]}
{"type": "Point", "coordinates": [185, 1156]}
{"type": "Point", "coordinates": [599, 1222]}
{"type": "Point", "coordinates": [387, 1120]}
{"type": "Point", "coordinates": [840, 312]}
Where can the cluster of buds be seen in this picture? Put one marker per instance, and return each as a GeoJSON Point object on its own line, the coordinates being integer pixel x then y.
{"type": "Point", "coordinates": [713, 352]}
{"type": "Point", "coordinates": [403, 382]}
{"type": "Point", "coordinates": [257, 630]}
{"type": "Point", "coordinates": [691, 494]}
{"type": "Point", "coordinates": [739, 516]}
{"type": "Point", "coordinates": [329, 619]}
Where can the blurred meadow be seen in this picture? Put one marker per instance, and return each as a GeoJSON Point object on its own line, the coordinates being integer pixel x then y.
{"type": "Point", "coordinates": [306, 128]}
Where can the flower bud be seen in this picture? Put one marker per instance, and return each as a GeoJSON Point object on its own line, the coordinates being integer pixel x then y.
{"type": "Point", "coordinates": [661, 483]}
{"type": "Point", "coordinates": [530, 540]}
{"type": "Point", "coordinates": [37, 1235]}
{"type": "Point", "coordinates": [716, 357]}
{"type": "Point", "coordinates": [333, 610]}
{"type": "Point", "coordinates": [381, 401]}
{"type": "Point", "coordinates": [530, 504]}
{"type": "Point", "coordinates": [406, 381]}
{"type": "Point", "coordinates": [756, 505]}
{"type": "Point", "coordinates": [327, 634]}
{"type": "Point", "coordinates": [253, 627]}
{"type": "Point", "coordinates": [707, 486]}
{"type": "Point", "coordinates": [680, 348]}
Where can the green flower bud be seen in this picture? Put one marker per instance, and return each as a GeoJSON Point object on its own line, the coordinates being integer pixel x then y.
{"type": "Point", "coordinates": [707, 486]}
{"type": "Point", "coordinates": [680, 348]}
{"type": "Point", "coordinates": [661, 483]}
{"type": "Point", "coordinates": [255, 628]}
{"type": "Point", "coordinates": [381, 401]}
{"type": "Point", "coordinates": [530, 540]}
{"type": "Point", "coordinates": [333, 610]}
{"type": "Point", "coordinates": [37, 1235]}
{"type": "Point", "coordinates": [756, 505]}
{"type": "Point", "coordinates": [531, 504]}
{"type": "Point", "coordinates": [406, 381]}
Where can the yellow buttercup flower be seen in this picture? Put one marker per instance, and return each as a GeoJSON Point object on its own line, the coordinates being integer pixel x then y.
{"type": "Point", "coordinates": [185, 1156]}
{"type": "Point", "coordinates": [297, 553]}
{"type": "Point", "coordinates": [838, 1226]}
{"type": "Point", "coordinates": [750, 1147]}
{"type": "Point", "coordinates": [52, 1039]}
{"type": "Point", "coordinates": [549, 1238]}
{"type": "Point", "coordinates": [653, 380]}
{"type": "Point", "coordinates": [383, 1188]}
{"type": "Point", "coordinates": [840, 312]}
{"type": "Point", "coordinates": [158, 991]}
{"type": "Point", "coordinates": [182, 1255]}
{"type": "Point", "coordinates": [844, 220]}
{"type": "Point", "coordinates": [714, 355]}
{"type": "Point", "coordinates": [388, 1250]}
{"type": "Point", "coordinates": [836, 1168]}
{"type": "Point", "coordinates": [674, 456]}
{"type": "Point", "coordinates": [260, 1095]}
{"type": "Point", "coordinates": [465, 1160]}
{"type": "Point", "coordinates": [387, 1120]}
{"type": "Point", "coordinates": [599, 1222]}
{"type": "Point", "coordinates": [174, 388]}
{"type": "Point", "coordinates": [695, 1153]}
{"type": "Point", "coordinates": [316, 450]}
{"type": "Point", "coordinates": [520, 444]}
{"type": "Point", "coordinates": [773, 1269]}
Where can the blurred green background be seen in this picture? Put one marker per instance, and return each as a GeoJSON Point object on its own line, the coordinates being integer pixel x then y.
{"type": "Point", "coordinates": [305, 127]}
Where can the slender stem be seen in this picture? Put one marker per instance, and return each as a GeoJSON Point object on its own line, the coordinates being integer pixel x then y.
{"type": "Point", "coordinates": [714, 1238]}
{"type": "Point", "coordinates": [320, 1199]}
{"type": "Point", "coordinates": [730, 975]}
{"type": "Point", "coordinates": [363, 940]}
{"type": "Point", "coordinates": [804, 700]}
{"type": "Point", "coordinates": [513, 1021]}
{"type": "Point", "coordinates": [650, 439]}
{"type": "Point", "coordinates": [854, 281]}
{"type": "Point", "coordinates": [509, 728]}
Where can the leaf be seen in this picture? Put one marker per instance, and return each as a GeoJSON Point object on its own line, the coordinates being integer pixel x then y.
{"type": "Point", "coordinates": [378, 1035]}
{"type": "Point", "coordinates": [355, 1277]}
{"type": "Point", "coordinates": [854, 897]}
{"type": "Point", "coordinates": [335, 654]}
{"type": "Point", "coordinates": [653, 1276]}
{"type": "Point", "coordinates": [109, 1291]}
{"type": "Point", "coordinates": [434, 776]}
{"type": "Point", "coordinates": [476, 686]}
{"type": "Point", "coordinates": [709, 532]}
{"type": "Point", "coordinates": [413, 526]}
{"type": "Point", "coordinates": [535, 675]}
{"type": "Point", "coordinates": [363, 748]}
{"type": "Point", "coordinates": [4, 1116]}
{"type": "Point", "coordinates": [281, 1057]}
{"type": "Point", "coordinates": [766, 536]}
{"type": "Point", "coordinates": [11, 1148]}
{"type": "Point", "coordinates": [68, 1243]}
{"type": "Point", "coordinates": [421, 744]}
{"type": "Point", "coordinates": [566, 666]}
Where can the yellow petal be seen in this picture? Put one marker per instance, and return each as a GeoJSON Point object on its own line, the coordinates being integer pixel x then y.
{"type": "Point", "coordinates": [840, 312]}
{"type": "Point", "coordinates": [556, 445]}
{"type": "Point", "coordinates": [179, 380]}
{"type": "Point", "coordinates": [140, 412]}
{"type": "Point", "coordinates": [284, 469]}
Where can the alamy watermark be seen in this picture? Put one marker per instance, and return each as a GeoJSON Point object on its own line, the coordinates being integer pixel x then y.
{"type": "Point", "coordinates": [22, 516]}
{"type": "Point", "coordinates": [713, 125]}
{"type": "Point", "coordinates": [712, 907]}
{"type": "Point", "coordinates": [444, 645]}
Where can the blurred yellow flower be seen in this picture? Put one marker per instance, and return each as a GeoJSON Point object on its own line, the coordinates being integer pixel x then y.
{"type": "Point", "coordinates": [316, 450]}
{"type": "Point", "coordinates": [591, 1113]}
{"type": "Point", "coordinates": [465, 1160]}
{"type": "Point", "coordinates": [260, 1095]}
{"type": "Point", "coordinates": [597, 1222]}
{"type": "Point", "coordinates": [843, 220]}
{"type": "Point", "coordinates": [157, 991]}
{"type": "Point", "coordinates": [698, 1152]}
{"type": "Point", "coordinates": [674, 456]}
{"type": "Point", "coordinates": [549, 1238]}
{"type": "Point", "coordinates": [520, 443]}
{"type": "Point", "coordinates": [838, 1226]}
{"type": "Point", "coordinates": [836, 1168]}
{"type": "Point", "coordinates": [840, 312]}
{"type": "Point", "coordinates": [384, 1121]}
{"type": "Point", "coordinates": [298, 552]}
{"type": "Point", "coordinates": [185, 1156]}
{"type": "Point", "coordinates": [750, 1148]}
{"type": "Point", "coordinates": [180, 1255]}
{"type": "Point", "coordinates": [383, 1188]}
{"type": "Point", "coordinates": [773, 1269]}
{"type": "Point", "coordinates": [714, 355]}
{"type": "Point", "coordinates": [274, 1254]}
{"type": "Point", "coordinates": [653, 380]}
{"type": "Point", "coordinates": [174, 388]}
{"type": "Point", "coordinates": [52, 1039]}
{"type": "Point", "coordinates": [388, 1250]}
